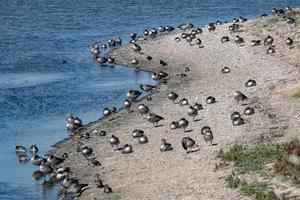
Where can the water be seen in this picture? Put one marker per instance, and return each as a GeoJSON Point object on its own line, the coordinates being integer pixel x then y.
{"type": "Point", "coordinates": [36, 91]}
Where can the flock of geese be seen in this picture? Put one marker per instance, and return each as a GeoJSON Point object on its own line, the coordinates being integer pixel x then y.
{"type": "Point", "coordinates": [52, 167]}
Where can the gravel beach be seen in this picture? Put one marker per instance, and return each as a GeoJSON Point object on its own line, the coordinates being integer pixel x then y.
{"type": "Point", "coordinates": [148, 173]}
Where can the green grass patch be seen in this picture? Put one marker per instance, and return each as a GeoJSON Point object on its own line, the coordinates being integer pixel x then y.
{"type": "Point", "coordinates": [251, 159]}
{"type": "Point", "coordinates": [232, 182]}
{"type": "Point", "coordinates": [259, 190]}
{"type": "Point", "coordinates": [296, 93]}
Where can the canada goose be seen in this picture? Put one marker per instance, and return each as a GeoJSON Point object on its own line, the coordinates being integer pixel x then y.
{"type": "Point", "coordinates": [289, 42]}
{"type": "Point", "coordinates": [20, 149]}
{"type": "Point", "coordinates": [210, 100]}
{"type": "Point", "coordinates": [239, 96]}
{"type": "Point", "coordinates": [136, 133]}
{"type": "Point", "coordinates": [127, 149]}
{"type": "Point", "coordinates": [188, 143]}
{"type": "Point", "coordinates": [198, 106]}
{"type": "Point", "coordinates": [225, 70]}
{"type": "Point", "coordinates": [250, 83]}
{"type": "Point", "coordinates": [183, 102]}
{"type": "Point", "coordinates": [173, 96]}
{"type": "Point", "coordinates": [143, 109]}
{"type": "Point", "coordinates": [143, 139]}
{"type": "Point", "coordinates": [164, 146]}
{"type": "Point", "coordinates": [192, 112]}
{"type": "Point", "coordinates": [114, 142]}
{"type": "Point", "coordinates": [249, 111]}
{"type": "Point", "coordinates": [183, 123]}
{"type": "Point", "coordinates": [154, 119]}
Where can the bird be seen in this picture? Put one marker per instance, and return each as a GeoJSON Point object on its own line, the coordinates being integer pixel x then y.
{"type": "Point", "coordinates": [143, 109]}
{"type": "Point", "coordinates": [149, 58]}
{"type": "Point", "coordinates": [250, 83]}
{"type": "Point", "coordinates": [234, 115]}
{"type": "Point", "coordinates": [147, 88]}
{"type": "Point", "coordinates": [164, 146]}
{"type": "Point", "coordinates": [136, 133]}
{"type": "Point", "coordinates": [146, 32]}
{"type": "Point", "coordinates": [211, 27]}
{"type": "Point", "coordinates": [255, 42]}
{"type": "Point", "coordinates": [186, 26]}
{"type": "Point", "coordinates": [239, 96]}
{"type": "Point", "coordinates": [177, 39]}
{"type": "Point", "coordinates": [114, 142]}
{"type": "Point", "coordinates": [34, 149]}
{"type": "Point", "coordinates": [210, 100]}
{"type": "Point", "coordinates": [162, 63]}
{"type": "Point", "coordinates": [133, 94]}
{"type": "Point", "coordinates": [249, 111]}
{"type": "Point", "coordinates": [133, 36]}
{"type": "Point", "coordinates": [45, 168]}
{"type": "Point", "coordinates": [107, 189]}
{"type": "Point", "coordinates": [98, 182]}
{"type": "Point", "coordinates": [188, 143]}
{"type": "Point", "coordinates": [238, 40]}
{"type": "Point", "coordinates": [225, 70]}
{"type": "Point", "coordinates": [110, 60]}
{"type": "Point", "coordinates": [174, 125]}
{"type": "Point", "coordinates": [134, 61]}
{"type": "Point", "coordinates": [38, 175]}
{"type": "Point", "coordinates": [86, 151]}
{"type": "Point", "coordinates": [205, 129]}
{"type": "Point", "coordinates": [154, 119]}
{"type": "Point", "coordinates": [268, 40]}
{"type": "Point", "coordinates": [36, 160]}
{"type": "Point", "coordinates": [54, 161]}
{"type": "Point", "coordinates": [101, 60]}
{"type": "Point", "coordinates": [198, 106]}
{"type": "Point", "coordinates": [161, 29]}
{"type": "Point", "coordinates": [20, 149]}
{"type": "Point", "coordinates": [183, 123]}
{"type": "Point", "coordinates": [289, 42]}
{"type": "Point", "coordinates": [199, 42]}
{"type": "Point", "coordinates": [23, 158]}
{"type": "Point", "coordinates": [94, 162]}
{"type": "Point", "coordinates": [224, 39]}
{"type": "Point", "coordinates": [106, 112]}
{"type": "Point", "coordinates": [192, 112]}
{"type": "Point", "coordinates": [127, 149]}
{"type": "Point", "coordinates": [208, 137]}
{"type": "Point", "coordinates": [189, 40]}
{"type": "Point", "coordinates": [290, 21]}
{"type": "Point", "coordinates": [169, 28]}
{"type": "Point", "coordinates": [143, 139]}
{"type": "Point", "coordinates": [237, 121]}
{"type": "Point", "coordinates": [173, 96]}
{"type": "Point", "coordinates": [136, 48]}
{"type": "Point", "coordinates": [183, 102]}
{"type": "Point", "coordinates": [127, 104]}
{"type": "Point", "coordinates": [270, 50]}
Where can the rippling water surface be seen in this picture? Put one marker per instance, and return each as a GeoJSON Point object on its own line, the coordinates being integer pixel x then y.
{"type": "Point", "coordinates": [36, 91]}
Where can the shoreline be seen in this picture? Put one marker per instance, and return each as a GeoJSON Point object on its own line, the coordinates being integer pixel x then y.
{"type": "Point", "coordinates": [126, 172]}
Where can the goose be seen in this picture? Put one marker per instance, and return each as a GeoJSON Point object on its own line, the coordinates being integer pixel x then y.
{"type": "Point", "coordinates": [239, 96]}
{"type": "Point", "coordinates": [183, 123]}
{"type": "Point", "coordinates": [205, 129]}
{"type": "Point", "coordinates": [208, 137]}
{"type": "Point", "coordinates": [107, 189]}
{"type": "Point", "coordinates": [118, 41]}
{"type": "Point", "coordinates": [94, 162]}
{"type": "Point", "coordinates": [249, 111]}
{"type": "Point", "coordinates": [102, 60]}
{"type": "Point", "coordinates": [38, 175]}
{"type": "Point", "coordinates": [289, 42]}
{"type": "Point", "coordinates": [184, 35]}
{"type": "Point", "coordinates": [143, 109]}
{"type": "Point", "coordinates": [99, 182]}
{"type": "Point", "coordinates": [161, 29]}
{"type": "Point", "coordinates": [86, 152]}
{"type": "Point", "coordinates": [199, 42]}
{"type": "Point", "coordinates": [77, 188]}
{"type": "Point", "coordinates": [210, 100]}
{"type": "Point", "coordinates": [224, 39]}
{"type": "Point", "coordinates": [198, 106]}
{"type": "Point", "coordinates": [45, 168]}
{"type": "Point", "coordinates": [250, 83]}
{"type": "Point", "coordinates": [143, 139]}
{"type": "Point", "coordinates": [255, 42]}
{"type": "Point", "coordinates": [127, 149]}
{"type": "Point", "coordinates": [164, 146]}
{"type": "Point", "coordinates": [54, 161]}
{"type": "Point", "coordinates": [146, 33]}
{"type": "Point", "coordinates": [268, 40]}
{"type": "Point", "coordinates": [154, 119]}
{"type": "Point", "coordinates": [192, 112]}
{"type": "Point", "coordinates": [20, 149]}
{"type": "Point", "coordinates": [173, 96]}
{"type": "Point", "coordinates": [133, 36]}
{"type": "Point", "coordinates": [238, 121]}
{"type": "Point", "coordinates": [162, 63]}
{"type": "Point", "coordinates": [133, 94]}
{"type": "Point", "coordinates": [134, 61]}
{"type": "Point", "coordinates": [186, 26]}
{"type": "Point", "coordinates": [189, 40]}
{"type": "Point", "coordinates": [149, 58]}
{"type": "Point", "coordinates": [110, 60]}
{"type": "Point", "coordinates": [177, 39]}
{"type": "Point", "coordinates": [174, 125]}
{"type": "Point", "coordinates": [225, 70]}
{"type": "Point", "coordinates": [270, 50]}
{"type": "Point", "coordinates": [23, 158]}
{"type": "Point", "coordinates": [290, 21]}
{"type": "Point", "coordinates": [169, 28]}
{"type": "Point", "coordinates": [36, 160]}
{"type": "Point", "coordinates": [188, 143]}
{"type": "Point", "coordinates": [33, 149]}
{"type": "Point", "coordinates": [136, 48]}
{"type": "Point", "coordinates": [127, 104]}
{"type": "Point", "coordinates": [147, 88]}
{"type": "Point", "coordinates": [183, 102]}
{"type": "Point", "coordinates": [211, 27]}
{"type": "Point", "coordinates": [136, 133]}
{"type": "Point", "coordinates": [234, 115]}
{"type": "Point", "coordinates": [199, 30]}
{"type": "Point", "coordinates": [114, 142]}
{"type": "Point", "coordinates": [106, 112]}
{"type": "Point", "coordinates": [238, 40]}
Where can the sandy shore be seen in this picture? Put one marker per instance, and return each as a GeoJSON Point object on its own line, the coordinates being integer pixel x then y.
{"type": "Point", "coordinates": [149, 174]}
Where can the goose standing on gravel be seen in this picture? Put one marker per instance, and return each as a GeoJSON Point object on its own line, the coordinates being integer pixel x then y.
{"type": "Point", "coordinates": [211, 27]}
{"type": "Point", "coordinates": [238, 40]}
{"type": "Point", "coordinates": [133, 94]}
{"type": "Point", "coordinates": [107, 189]}
{"type": "Point", "coordinates": [199, 42]}
{"type": "Point", "coordinates": [86, 151]}
{"type": "Point", "coordinates": [136, 48]}
{"type": "Point", "coordinates": [154, 119]}
{"type": "Point", "coordinates": [186, 26]}
{"type": "Point", "coordinates": [136, 133]}
{"type": "Point", "coordinates": [198, 106]}
{"type": "Point", "coordinates": [270, 50]}
{"type": "Point", "coordinates": [255, 42]}
{"type": "Point", "coordinates": [208, 137]}
{"type": "Point", "coordinates": [235, 114]}
{"type": "Point", "coordinates": [289, 42]}
{"type": "Point", "coordinates": [106, 112]}
{"type": "Point", "coordinates": [225, 70]}
{"type": "Point", "coordinates": [189, 40]}
{"type": "Point", "coordinates": [237, 121]}
{"type": "Point", "coordinates": [133, 36]}
{"type": "Point", "coordinates": [183, 102]}
{"type": "Point", "coordinates": [127, 149]}
{"type": "Point", "coordinates": [205, 129]}
{"type": "Point", "coordinates": [250, 83]}
{"type": "Point", "coordinates": [114, 142]}
{"type": "Point", "coordinates": [134, 61]}
{"type": "Point", "coordinates": [224, 39]}
{"type": "Point", "coordinates": [174, 125]}
{"type": "Point", "coordinates": [183, 123]}
{"type": "Point", "coordinates": [143, 139]}
{"type": "Point", "coordinates": [177, 39]}
{"type": "Point", "coordinates": [239, 96]}
{"type": "Point", "coordinates": [127, 104]}
{"type": "Point", "coordinates": [143, 109]}
{"type": "Point", "coordinates": [268, 40]}
{"type": "Point", "coordinates": [249, 111]}
{"type": "Point", "coordinates": [164, 146]}
{"type": "Point", "coordinates": [210, 100]}
{"type": "Point", "coordinates": [173, 96]}
{"type": "Point", "coordinates": [147, 88]}
{"type": "Point", "coordinates": [188, 143]}
{"type": "Point", "coordinates": [192, 112]}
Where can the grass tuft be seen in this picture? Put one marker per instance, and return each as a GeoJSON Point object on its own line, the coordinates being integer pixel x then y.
{"type": "Point", "coordinates": [296, 93]}
{"type": "Point", "coordinates": [232, 182]}
{"type": "Point", "coordinates": [253, 159]}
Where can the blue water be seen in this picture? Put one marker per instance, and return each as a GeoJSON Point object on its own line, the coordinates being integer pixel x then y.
{"type": "Point", "coordinates": [36, 92]}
